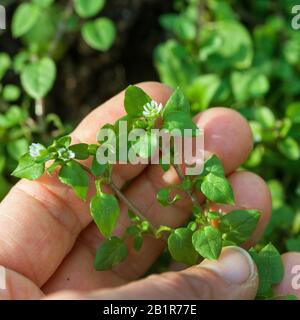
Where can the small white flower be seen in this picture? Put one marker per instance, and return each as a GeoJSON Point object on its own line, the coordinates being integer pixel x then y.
{"type": "Point", "coordinates": [152, 109]}
{"type": "Point", "coordinates": [35, 150]}
{"type": "Point", "coordinates": [65, 154]}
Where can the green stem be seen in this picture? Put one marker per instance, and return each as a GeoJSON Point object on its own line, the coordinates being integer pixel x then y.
{"type": "Point", "coordinates": [98, 186]}
{"type": "Point", "coordinates": [129, 204]}
{"type": "Point", "coordinates": [188, 192]}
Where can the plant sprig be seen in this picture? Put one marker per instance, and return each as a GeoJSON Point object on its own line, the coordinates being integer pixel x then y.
{"type": "Point", "coordinates": [204, 234]}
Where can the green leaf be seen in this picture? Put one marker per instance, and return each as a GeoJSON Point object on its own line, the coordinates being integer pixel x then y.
{"type": "Point", "coordinates": [226, 53]}
{"type": "Point", "coordinates": [28, 168]}
{"type": "Point", "coordinates": [64, 141]}
{"type": "Point", "coordinates": [292, 111]}
{"type": "Point", "coordinates": [265, 117]}
{"type": "Point", "coordinates": [105, 212]}
{"type": "Point", "coordinates": [43, 3]}
{"type": "Point", "coordinates": [99, 34]}
{"type": "Point", "coordinates": [180, 25]}
{"type": "Point", "coordinates": [24, 18]}
{"type": "Point", "coordinates": [270, 269]}
{"type": "Point", "coordinates": [293, 244]}
{"type": "Point", "coordinates": [175, 64]}
{"type": "Point", "coordinates": [73, 175]}
{"type": "Point", "coordinates": [14, 116]}
{"type": "Point", "coordinates": [208, 242]}
{"type": "Point", "coordinates": [110, 253]}
{"type": "Point", "coordinates": [249, 84]}
{"type": "Point", "coordinates": [138, 242]}
{"type": "Point", "coordinates": [97, 168]}
{"type": "Point", "coordinates": [81, 150]}
{"type": "Point", "coordinates": [5, 63]}
{"type": "Point", "coordinates": [239, 225]}
{"type": "Point", "coordinates": [180, 121]}
{"type": "Point", "coordinates": [38, 78]}
{"type": "Point", "coordinates": [181, 247]}
{"type": "Point", "coordinates": [289, 148]}
{"type": "Point", "coordinates": [217, 189]}
{"type": "Point", "coordinates": [163, 196]}
{"type": "Point", "coordinates": [11, 93]}
{"type": "Point", "coordinates": [88, 8]}
{"type": "Point", "coordinates": [135, 99]}
{"type": "Point", "coordinates": [214, 166]}
{"type": "Point", "coordinates": [17, 148]}
{"type": "Point", "coordinates": [202, 91]}
{"type": "Point", "coordinates": [176, 103]}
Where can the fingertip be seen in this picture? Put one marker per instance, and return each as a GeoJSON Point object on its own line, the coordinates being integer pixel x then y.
{"type": "Point", "coordinates": [290, 283]}
{"type": "Point", "coordinates": [156, 90]}
{"type": "Point", "coordinates": [226, 134]}
{"type": "Point", "coordinates": [250, 192]}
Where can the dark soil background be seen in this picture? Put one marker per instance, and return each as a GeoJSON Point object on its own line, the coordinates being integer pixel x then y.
{"type": "Point", "coordinates": [87, 77]}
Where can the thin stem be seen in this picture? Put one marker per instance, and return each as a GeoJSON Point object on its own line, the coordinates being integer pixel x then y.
{"type": "Point", "coordinates": [123, 198]}
{"type": "Point", "coordinates": [39, 110]}
{"type": "Point", "coordinates": [129, 204]}
{"type": "Point", "coordinates": [61, 28]}
{"type": "Point", "coordinates": [188, 192]}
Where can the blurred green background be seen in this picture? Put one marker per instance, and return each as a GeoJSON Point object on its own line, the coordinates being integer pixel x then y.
{"type": "Point", "coordinates": [60, 59]}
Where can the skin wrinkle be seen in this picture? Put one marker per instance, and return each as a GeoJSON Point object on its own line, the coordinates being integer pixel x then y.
{"type": "Point", "coordinates": [90, 250]}
{"type": "Point", "coordinates": [72, 230]}
{"type": "Point", "coordinates": [33, 274]}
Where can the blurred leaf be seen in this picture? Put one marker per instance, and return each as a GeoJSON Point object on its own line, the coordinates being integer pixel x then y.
{"type": "Point", "coordinates": [293, 112]}
{"type": "Point", "coordinates": [24, 18]}
{"type": "Point", "coordinates": [289, 148]}
{"type": "Point", "coordinates": [249, 84]}
{"type": "Point", "coordinates": [17, 148]}
{"type": "Point", "coordinates": [4, 63]}
{"type": "Point", "coordinates": [11, 93]}
{"type": "Point", "coordinates": [265, 117]}
{"type": "Point", "coordinates": [38, 78]}
{"type": "Point", "coordinates": [293, 244]}
{"type": "Point", "coordinates": [277, 193]}
{"type": "Point", "coordinates": [99, 34]}
{"type": "Point", "coordinates": [227, 53]}
{"type": "Point", "coordinates": [87, 8]}
{"type": "Point", "coordinates": [175, 66]}
{"type": "Point", "coordinates": [43, 3]}
{"type": "Point", "coordinates": [20, 60]}
{"type": "Point", "coordinates": [181, 26]}
{"type": "Point", "coordinates": [202, 91]}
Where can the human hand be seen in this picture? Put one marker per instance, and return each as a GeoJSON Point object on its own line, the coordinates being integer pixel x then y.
{"type": "Point", "coordinates": [48, 242]}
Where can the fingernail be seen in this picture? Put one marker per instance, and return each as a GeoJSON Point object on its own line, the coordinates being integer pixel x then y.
{"type": "Point", "coordinates": [235, 265]}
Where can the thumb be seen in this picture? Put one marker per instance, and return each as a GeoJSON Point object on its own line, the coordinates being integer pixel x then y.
{"type": "Point", "coordinates": [233, 276]}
